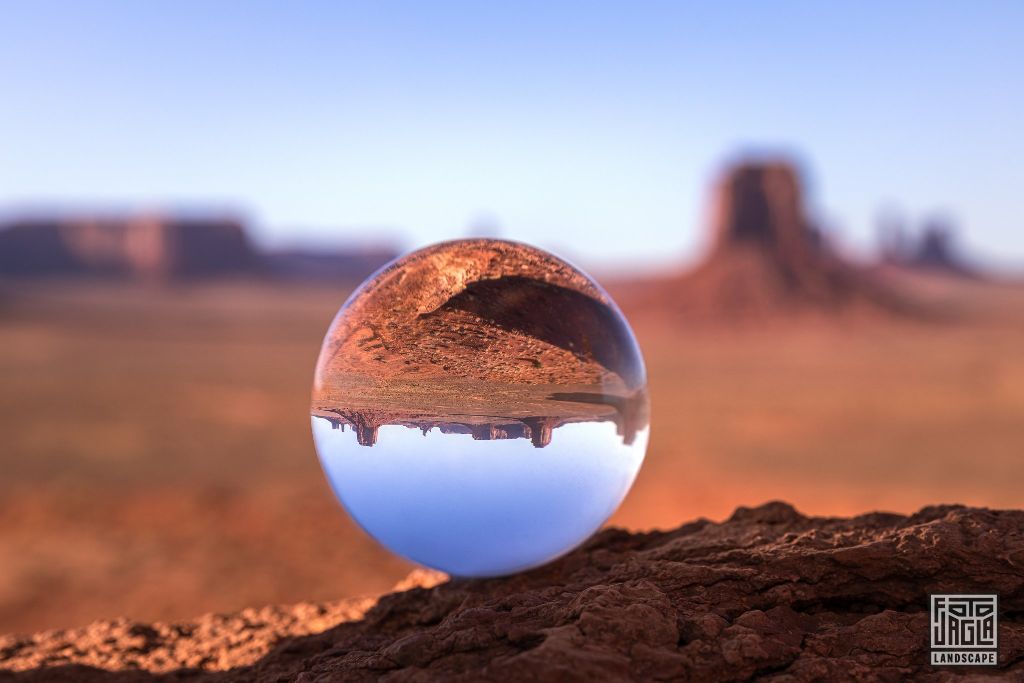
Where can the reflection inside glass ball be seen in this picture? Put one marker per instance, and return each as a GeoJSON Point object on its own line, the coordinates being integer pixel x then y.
{"type": "Point", "coordinates": [480, 407]}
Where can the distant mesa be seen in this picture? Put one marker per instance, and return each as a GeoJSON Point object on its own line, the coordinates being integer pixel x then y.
{"type": "Point", "coordinates": [162, 247]}
{"type": "Point", "coordinates": [767, 256]}
{"type": "Point", "coordinates": [933, 249]}
{"type": "Point", "coordinates": [349, 265]}
{"type": "Point", "coordinates": [768, 253]}
{"type": "Point", "coordinates": [144, 247]}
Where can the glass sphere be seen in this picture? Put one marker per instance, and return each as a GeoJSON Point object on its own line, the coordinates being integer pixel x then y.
{"type": "Point", "coordinates": [480, 407]}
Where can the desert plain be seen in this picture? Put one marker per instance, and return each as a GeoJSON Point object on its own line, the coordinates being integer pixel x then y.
{"type": "Point", "coordinates": [157, 460]}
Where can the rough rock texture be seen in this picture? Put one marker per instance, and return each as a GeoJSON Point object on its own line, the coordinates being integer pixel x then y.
{"type": "Point", "coordinates": [768, 594]}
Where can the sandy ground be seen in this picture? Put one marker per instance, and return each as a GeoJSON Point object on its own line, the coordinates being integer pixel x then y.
{"type": "Point", "coordinates": [157, 461]}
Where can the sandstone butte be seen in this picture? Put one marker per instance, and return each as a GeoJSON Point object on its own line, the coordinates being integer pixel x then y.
{"type": "Point", "coordinates": [766, 256]}
{"type": "Point", "coordinates": [768, 594]}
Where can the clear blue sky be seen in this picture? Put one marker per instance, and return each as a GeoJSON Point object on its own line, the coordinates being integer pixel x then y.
{"type": "Point", "coordinates": [591, 128]}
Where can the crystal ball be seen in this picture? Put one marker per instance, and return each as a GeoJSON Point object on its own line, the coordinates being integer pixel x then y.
{"type": "Point", "coordinates": [480, 407]}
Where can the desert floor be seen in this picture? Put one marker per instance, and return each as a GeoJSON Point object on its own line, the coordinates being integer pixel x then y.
{"type": "Point", "coordinates": [157, 460]}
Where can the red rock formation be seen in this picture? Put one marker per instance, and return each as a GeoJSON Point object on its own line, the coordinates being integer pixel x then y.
{"type": "Point", "coordinates": [364, 423]}
{"type": "Point", "coordinates": [767, 253]}
{"type": "Point", "coordinates": [348, 266]}
{"type": "Point", "coordinates": [934, 250]}
{"type": "Point", "coordinates": [769, 594]}
{"type": "Point", "coordinates": [766, 257]}
{"type": "Point", "coordinates": [539, 430]}
{"type": "Point", "coordinates": [147, 247]}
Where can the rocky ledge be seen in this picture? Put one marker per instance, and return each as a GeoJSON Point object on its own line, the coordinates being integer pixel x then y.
{"type": "Point", "coordinates": [767, 594]}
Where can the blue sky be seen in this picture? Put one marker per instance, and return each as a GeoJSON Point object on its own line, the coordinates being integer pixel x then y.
{"type": "Point", "coordinates": [590, 128]}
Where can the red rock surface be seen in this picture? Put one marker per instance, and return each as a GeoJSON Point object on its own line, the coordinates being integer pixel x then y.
{"type": "Point", "coordinates": [768, 594]}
